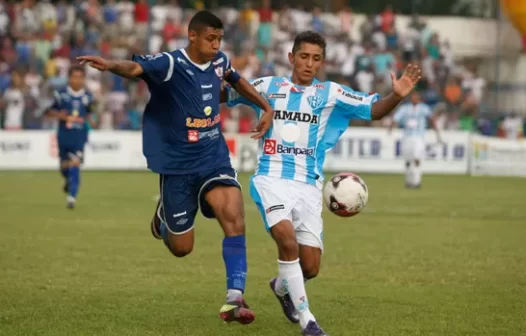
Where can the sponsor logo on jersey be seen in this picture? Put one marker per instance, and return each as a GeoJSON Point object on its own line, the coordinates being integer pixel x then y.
{"type": "Point", "coordinates": [202, 122]}
{"type": "Point", "coordinates": [296, 116]}
{"type": "Point", "coordinates": [207, 96]}
{"type": "Point", "coordinates": [193, 136]}
{"type": "Point", "coordinates": [319, 86]}
{"type": "Point", "coordinates": [269, 147]}
{"type": "Point", "coordinates": [281, 84]}
{"type": "Point", "coordinates": [282, 149]}
{"type": "Point", "coordinates": [351, 95]}
{"type": "Point", "coordinates": [180, 60]}
{"type": "Point", "coordinates": [207, 86]}
{"type": "Point", "coordinates": [277, 95]}
{"type": "Point", "coordinates": [257, 83]}
{"type": "Point", "coordinates": [274, 208]}
{"type": "Point", "coordinates": [152, 57]}
{"type": "Point", "coordinates": [188, 71]}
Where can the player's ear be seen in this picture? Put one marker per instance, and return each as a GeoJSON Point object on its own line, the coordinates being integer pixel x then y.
{"type": "Point", "coordinates": [192, 35]}
{"type": "Point", "coordinates": [291, 58]}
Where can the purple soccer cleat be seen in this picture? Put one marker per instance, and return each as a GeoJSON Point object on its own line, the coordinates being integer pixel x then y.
{"type": "Point", "coordinates": [313, 329]}
{"type": "Point", "coordinates": [286, 304]}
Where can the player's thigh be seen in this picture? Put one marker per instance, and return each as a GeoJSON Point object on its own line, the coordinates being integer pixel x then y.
{"type": "Point", "coordinates": [409, 148]}
{"type": "Point", "coordinates": [272, 198]}
{"type": "Point", "coordinates": [220, 197]}
{"type": "Point", "coordinates": [419, 150]}
{"type": "Point", "coordinates": [76, 155]}
{"type": "Point", "coordinates": [177, 210]}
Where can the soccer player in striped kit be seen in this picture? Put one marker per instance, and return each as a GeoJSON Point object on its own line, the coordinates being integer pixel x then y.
{"type": "Point", "coordinates": [414, 117]}
{"type": "Point", "coordinates": [309, 118]}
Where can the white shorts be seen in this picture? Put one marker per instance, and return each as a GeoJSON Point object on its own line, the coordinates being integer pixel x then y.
{"type": "Point", "coordinates": [301, 203]}
{"type": "Point", "coordinates": [413, 148]}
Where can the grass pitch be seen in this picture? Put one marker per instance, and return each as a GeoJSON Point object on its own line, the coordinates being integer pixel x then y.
{"type": "Point", "coordinates": [449, 259]}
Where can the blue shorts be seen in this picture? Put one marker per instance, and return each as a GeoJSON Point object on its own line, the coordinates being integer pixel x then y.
{"type": "Point", "coordinates": [183, 195]}
{"type": "Point", "coordinates": [68, 152]}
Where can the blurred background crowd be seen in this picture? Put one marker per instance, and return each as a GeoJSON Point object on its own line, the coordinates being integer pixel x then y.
{"type": "Point", "coordinates": [40, 40]}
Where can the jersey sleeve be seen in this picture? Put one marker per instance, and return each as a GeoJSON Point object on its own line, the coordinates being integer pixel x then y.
{"type": "Point", "coordinates": [157, 68]}
{"type": "Point", "coordinates": [57, 101]}
{"type": "Point", "coordinates": [354, 104]}
{"type": "Point", "coordinates": [234, 98]}
{"type": "Point", "coordinates": [233, 77]}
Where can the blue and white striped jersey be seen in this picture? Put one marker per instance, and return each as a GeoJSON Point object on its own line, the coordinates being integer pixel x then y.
{"type": "Point", "coordinates": [308, 121]}
{"type": "Point", "coordinates": [413, 118]}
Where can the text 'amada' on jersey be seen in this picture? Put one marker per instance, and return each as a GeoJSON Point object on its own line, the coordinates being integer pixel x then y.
{"type": "Point", "coordinates": [181, 124]}
{"type": "Point", "coordinates": [308, 121]}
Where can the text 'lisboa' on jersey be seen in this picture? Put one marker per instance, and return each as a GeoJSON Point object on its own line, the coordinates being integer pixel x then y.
{"type": "Point", "coordinates": [181, 122]}
{"type": "Point", "coordinates": [308, 121]}
{"type": "Point", "coordinates": [74, 103]}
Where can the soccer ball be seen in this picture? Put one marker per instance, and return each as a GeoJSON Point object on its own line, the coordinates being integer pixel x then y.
{"type": "Point", "coordinates": [346, 194]}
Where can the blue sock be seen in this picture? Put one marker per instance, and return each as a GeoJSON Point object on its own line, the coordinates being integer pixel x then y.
{"type": "Point", "coordinates": [64, 172]}
{"type": "Point", "coordinates": [235, 258]}
{"type": "Point", "coordinates": [74, 181]}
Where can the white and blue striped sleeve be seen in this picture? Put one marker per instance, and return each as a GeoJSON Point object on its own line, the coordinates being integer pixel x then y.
{"type": "Point", "coordinates": [354, 104]}
{"type": "Point", "coordinates": [234, 98]}
{"type": "Point", "coordinates": [157, 68]}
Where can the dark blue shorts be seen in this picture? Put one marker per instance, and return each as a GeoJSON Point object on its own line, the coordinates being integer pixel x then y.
{"type": "Point", "coordinates": [183, 195]}
{"type": "Point", "coordinates": [71, 151]}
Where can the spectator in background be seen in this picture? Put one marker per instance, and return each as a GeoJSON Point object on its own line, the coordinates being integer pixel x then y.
{"type": "Point", "coordinates": [13, 104]}
{"type": "Point", "coordinates": [512, 126]}
{"type": "Point", "coordinates": [346, 21]}
{"type": "Point", "coordinates": [265, 25]}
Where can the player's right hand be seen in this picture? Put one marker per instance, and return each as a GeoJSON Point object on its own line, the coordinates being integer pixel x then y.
{"type": "Point", "coordinates": [263, 125]}
{"type": "Point", "coordinates": [95, 62]}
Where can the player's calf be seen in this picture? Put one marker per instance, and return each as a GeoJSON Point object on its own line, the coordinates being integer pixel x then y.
{"type": "Point", "coordinates": [226, 203]}
{"type": "Point", "coordinates": [310, 260]}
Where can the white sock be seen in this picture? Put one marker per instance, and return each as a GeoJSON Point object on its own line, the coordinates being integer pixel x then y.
{"type": "Point", "coordinates": [418, 175]}
{"type": "Point", "coordinates": [280, 287]}
{"type": "Point", "coordinates": [233, 295]}
{"type": "Point", "coordinates": [291, 272]}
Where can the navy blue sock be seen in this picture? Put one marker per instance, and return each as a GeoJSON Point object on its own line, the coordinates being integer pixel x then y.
{"type": "Point", "coordinates": [235, 258]}
{"type": "Point", "coordinates": [74, 181]}
{"type": "Point", "coordinates": [64, 172]}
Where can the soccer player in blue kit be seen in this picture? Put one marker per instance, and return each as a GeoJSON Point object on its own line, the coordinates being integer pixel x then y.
{"type": "Point", "coordinates": [310, 116]}
{"type": "Point", "coordinates": [183, 143]}
{"type": "Point", "coordinates": [72, 106]}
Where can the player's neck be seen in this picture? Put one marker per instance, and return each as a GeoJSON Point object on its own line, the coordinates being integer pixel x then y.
{"type": "Point", "coordinates": [193, 55]}
{"type": "Point", "coordinates": [295, 80]}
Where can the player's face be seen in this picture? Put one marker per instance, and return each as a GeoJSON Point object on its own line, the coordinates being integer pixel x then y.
{"type": "Point", "coordinates": [207, 41]}
{"type": "Point", "coordinates": [306, 62]}
{"type": "Point", "coordinates": [415, 98]}
{"type": "Point", "coordinates": [76, 80]}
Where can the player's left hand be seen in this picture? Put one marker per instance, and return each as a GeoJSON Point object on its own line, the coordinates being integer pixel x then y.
{"type": "Point", "coordinates": [403, 86]}
{"type": "Point", "coordinates": [263, 125]}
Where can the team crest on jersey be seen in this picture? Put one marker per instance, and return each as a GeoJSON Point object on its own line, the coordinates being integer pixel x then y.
{"type": "Point", "coordinates": [219, 72]}
{"type": "Point", "coordinates": [315, 101]}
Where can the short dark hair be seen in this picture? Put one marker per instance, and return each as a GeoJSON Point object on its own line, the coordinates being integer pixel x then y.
{"type": "Point", "coordinates": [204, 19]}
{"type": "Point", "coordinates": [310, 37]}
{"type": "Point", "coordinates": [76, 68]}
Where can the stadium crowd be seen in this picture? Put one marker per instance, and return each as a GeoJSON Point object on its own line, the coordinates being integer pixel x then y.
{"type": "Point", "coordinates": [40, 40]}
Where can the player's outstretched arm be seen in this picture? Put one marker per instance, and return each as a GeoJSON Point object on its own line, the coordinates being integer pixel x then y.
{"type": "Point", "coordinates": [123, 68]}
{"type": "Point", "coordinates": [402, 87]}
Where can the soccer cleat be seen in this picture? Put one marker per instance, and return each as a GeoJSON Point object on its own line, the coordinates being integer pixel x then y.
{"type": "Point", "coordinates": [286, 304]}
{"type": "Point", "coordinates": [313, 329]}
{"type": "Point", "coordinates": [155, 224]}
{"type": "Point", "coordinates": [71, 201]}
{"type": "Point", "coordinates": [237, 311]}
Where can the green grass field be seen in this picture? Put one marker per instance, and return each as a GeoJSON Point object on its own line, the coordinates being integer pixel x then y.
{"type": "Point", "coordinates": [449, 259]}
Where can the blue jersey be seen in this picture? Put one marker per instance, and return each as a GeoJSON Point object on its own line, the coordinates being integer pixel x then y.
{"type": "Point", "coordinates": [181, 125]}
{"type": "Point", "coordinates": [413, 118]}
{"type": "Point", "coordinates": [308, 121]}
{"type": "Point", "coordinates": [75, 103]}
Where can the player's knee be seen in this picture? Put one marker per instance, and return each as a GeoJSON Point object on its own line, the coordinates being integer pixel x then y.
{"type": "Point", "coordinates": [180, 245]}
{"type": "Point", "coordinates": [181, 252]}
{"type": "Point", "coordinates": [285, 237]}
{"type": "Point", "coordinates": [227, 204]}
{"type": "Point", "coordinates": [310, 271]}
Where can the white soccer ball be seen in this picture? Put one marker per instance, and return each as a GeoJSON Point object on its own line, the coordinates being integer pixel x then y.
{"type": "Point", "coordinates": [345, 194]}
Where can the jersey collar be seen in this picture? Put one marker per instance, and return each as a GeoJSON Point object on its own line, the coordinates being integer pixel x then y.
{"type": "Point", "coordinates": [74, 93]}
{"type": "Point", "coordinates": [299, 88]}
{"type": "Point", "coordinates": [201, 67]}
